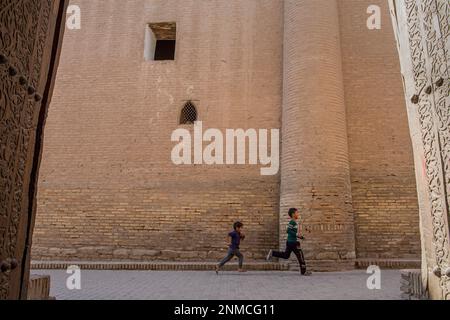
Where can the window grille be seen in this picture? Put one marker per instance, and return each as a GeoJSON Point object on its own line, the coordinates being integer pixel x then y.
{"type": "Point", "coordinates": [188, 114]}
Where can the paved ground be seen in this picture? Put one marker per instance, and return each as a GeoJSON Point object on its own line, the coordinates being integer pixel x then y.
{"type": "Point", "coordinates": [162, 285]}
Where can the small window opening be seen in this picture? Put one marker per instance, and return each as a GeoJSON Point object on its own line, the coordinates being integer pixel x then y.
{"type": "Point", "coordinates": [165, 50]}
{"type": "Point", "coordinates": [160, 41]}
{"type": "Point", "coordinates": [188, 114]}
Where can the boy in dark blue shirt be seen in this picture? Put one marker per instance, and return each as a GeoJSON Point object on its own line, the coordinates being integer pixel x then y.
{"type": "Point", "coordinates": [234, 238]}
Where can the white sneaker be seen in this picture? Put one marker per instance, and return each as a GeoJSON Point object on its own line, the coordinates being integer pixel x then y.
{"type": "Point", "coordinates": [269, 255]}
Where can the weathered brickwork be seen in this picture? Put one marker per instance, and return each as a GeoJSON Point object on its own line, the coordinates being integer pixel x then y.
{"type": "Point", "coordinates": [315, 174]}
{"type": "Point", "coordinates": [380, 150]}
{"type": "Point", "coordinates": [109, 191]}
{"type": "Point", "coordinates": [108, 187]}
{"type": "Point", "coordinates": [135, 224]}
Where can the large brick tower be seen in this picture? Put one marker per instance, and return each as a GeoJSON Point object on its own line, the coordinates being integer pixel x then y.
{"type": "Point", "coordinates": [315, 170]}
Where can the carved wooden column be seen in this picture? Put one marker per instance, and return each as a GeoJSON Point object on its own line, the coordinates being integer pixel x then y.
{"type": "Point", "coordinates": [422, 28]}
{"type": "Point", "coordinates": [30, 37]}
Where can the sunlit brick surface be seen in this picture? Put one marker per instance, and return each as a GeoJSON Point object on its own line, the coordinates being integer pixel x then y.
{"type": "Point", "coordinates": [109, 191]}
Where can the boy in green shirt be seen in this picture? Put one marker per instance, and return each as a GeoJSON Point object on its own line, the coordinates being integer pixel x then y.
{"type": "Point", "coordinates": [292, 244]}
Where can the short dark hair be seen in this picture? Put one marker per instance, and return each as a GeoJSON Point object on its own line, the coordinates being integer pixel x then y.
{"type": "Point", "coordinates": [292, 211]}
{"type": "Point", "coordinates": [237, 225]}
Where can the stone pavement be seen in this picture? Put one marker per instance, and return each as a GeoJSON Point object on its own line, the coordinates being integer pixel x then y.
{"type": "Point", "coordinates": [202, 285]}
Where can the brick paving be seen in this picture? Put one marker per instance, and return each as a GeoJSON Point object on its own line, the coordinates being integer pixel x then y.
{"type": "Point", "coordinates": [206, 285]}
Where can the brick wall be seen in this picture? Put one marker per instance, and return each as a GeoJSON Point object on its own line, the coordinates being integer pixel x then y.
{"type": "Point", "coordinates": [107, 180]}
{"type": "Point", "coordinates": [163, 223]}
{"type": "Point", "coordinates": [381, 160]}
{"type": "Point", "coordinates": [108, 189]}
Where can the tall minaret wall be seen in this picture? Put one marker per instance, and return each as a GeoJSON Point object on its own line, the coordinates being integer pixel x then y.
{"type": "Point", "coordinates": [315, 174]}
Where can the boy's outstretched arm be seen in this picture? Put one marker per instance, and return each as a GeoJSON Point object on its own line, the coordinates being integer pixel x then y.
{"type": "Point", "coordinates": [299, 236]}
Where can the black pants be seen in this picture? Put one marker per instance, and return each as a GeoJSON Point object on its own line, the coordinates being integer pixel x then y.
{"type": "Point", "coordinates": [292, 247]}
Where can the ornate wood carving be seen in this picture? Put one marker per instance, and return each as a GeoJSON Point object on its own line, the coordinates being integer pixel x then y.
{"type": "Point", "coordinates": [27, 28]}
{"type": "Point", "coordinates": [423, 34]}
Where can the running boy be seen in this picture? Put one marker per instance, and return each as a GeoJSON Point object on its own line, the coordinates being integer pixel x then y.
{"type": "Point", "coordinates": [292, 244]}
{"type": "Point", "coordinates": [234, 239]}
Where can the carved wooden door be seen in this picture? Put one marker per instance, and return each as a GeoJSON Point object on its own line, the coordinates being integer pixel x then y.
{"type": "Point", "coordinates": [422, 28]}
{"type": "Point", "coordinates": [30, 36]}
